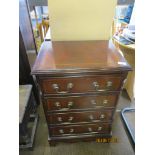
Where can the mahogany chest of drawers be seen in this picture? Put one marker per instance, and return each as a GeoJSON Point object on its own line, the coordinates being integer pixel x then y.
{"type": "Point", "coordinates": [80, 82]}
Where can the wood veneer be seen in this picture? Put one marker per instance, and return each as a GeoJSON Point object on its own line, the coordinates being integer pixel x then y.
{"type": "Point", "coordinates": [73, 104]}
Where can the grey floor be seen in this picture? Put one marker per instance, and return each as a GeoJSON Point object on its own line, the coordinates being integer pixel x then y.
{"type": "Point", "coordinates": [122, 147]}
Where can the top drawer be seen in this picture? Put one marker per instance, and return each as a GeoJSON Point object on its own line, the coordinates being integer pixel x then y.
{"type": "Point", "coordinates": [65, 85]}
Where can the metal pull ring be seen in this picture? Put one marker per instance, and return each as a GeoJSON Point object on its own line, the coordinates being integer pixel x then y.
{"type": "Point", "coordinates": [91, 117]}
{"type": "Point", "coordinates": [70, 104]}
{"type": "Point", "coordinates": [90, 129]}
{"type": "Point", "coordinates": [105, 101]}
{"type": "Point", "coordinates": [96, 86]}
{"type": "Point", "coordinates": [71, 130]}
{"type": "Point", "coordinates": [109, 84]}
{"type": "Point", "coordinates": [102, 116]}
{"type": "Point", "coordinates": [99, 128]}
{"type": "Point", "coordinates": [59, 119]}
{"type": "Point", "coordinates": [61, 131]}
{"type": "Point", "coordinates": [56, 88]}
{"type": "Point", "coordinates": [58, 105]}
{"type": "Point", "coordinates": [93, 102]}
{"type": "Point", "coordinates": [70, 118]}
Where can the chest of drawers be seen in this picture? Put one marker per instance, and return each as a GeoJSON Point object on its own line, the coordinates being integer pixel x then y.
{"type": "Point", "coordinates": [80, 82]}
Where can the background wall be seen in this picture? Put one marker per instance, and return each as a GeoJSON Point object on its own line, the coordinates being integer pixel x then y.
{"type": "Point", "coordinates": [81, 19]}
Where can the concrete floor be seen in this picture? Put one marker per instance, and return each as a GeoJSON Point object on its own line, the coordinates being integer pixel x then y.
{"type": "Point", "coordinates": [122, 147]}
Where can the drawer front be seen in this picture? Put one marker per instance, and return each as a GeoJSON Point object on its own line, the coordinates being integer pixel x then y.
{"type": "Point", "coordinates": [79, 129]}
{"type": "Point", "coordinates": [77, 117]}
{"type": "Point", "coordinates": [81, 84]}
{"type": "Point", "coordinates": [82, 102]}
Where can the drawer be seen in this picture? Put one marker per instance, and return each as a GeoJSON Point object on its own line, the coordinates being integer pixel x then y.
{"type": "Point", "coordinates": [79, 129]}
{"type": "Point", "coordinates": [81, 102]}
{"type": "Point", "coordinates": [77, 117]}
{"type": "Point", "coordinates": [83, 84]}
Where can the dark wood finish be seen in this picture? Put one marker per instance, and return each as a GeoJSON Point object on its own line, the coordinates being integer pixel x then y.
{"type": "Point", "coordinates": [79, 56]}
{"type": "Point", "coordinates": [76, 117]}
{"type": "Point", "coordinates": [80, 102]}
{"type": "Point", "coordinates": [75, 107]}
{"type": "Point", "coordinates": [78, 129]}
{"type": "Point", "coordinates": [77, 138]}
{"type": "Point", "coordinates": [81, 84]}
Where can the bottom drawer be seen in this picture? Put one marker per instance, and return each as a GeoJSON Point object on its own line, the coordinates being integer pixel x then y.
{"type": "Point", "coordinates": [79, 129]}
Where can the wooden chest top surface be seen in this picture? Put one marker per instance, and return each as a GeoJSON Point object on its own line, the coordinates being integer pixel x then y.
{"type": "Point", "coordinates": [79, 56]}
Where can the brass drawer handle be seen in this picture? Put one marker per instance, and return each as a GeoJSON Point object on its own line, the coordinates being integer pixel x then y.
{"type": "Point", "coordinates": [90, 129]}
{"type": "Point", "coordinates": [57, 104]}
{"type": "Point", "coordinates": [59, 119]}
{"type": "Point", "coordinates": [56, 88]}
{"type": "Point", "coordinates": [70, 104]}
{"type": "Point", "coordinates": [105, 101]}
{"type": "Point", "coordinates": [102, 116]}
{"type": "Point", "coordinates": [71, 130]}
{"type": "Point", "coordinates": [69, 86]}
{"type": "Point", "coordinates": [93, 102]}
{"type": "Point", "coordinates": [70, 118]}
{"type": "Point", "coordinates": [61, 131]}
{"type": "Point", "coordinates": [109, 84]}
{"type": "Point", "coordinates": [91, 117]}
{"type": "Point", "coordinates": [99, 128]}
{"type": "Point", "coordinates": [96, 86]}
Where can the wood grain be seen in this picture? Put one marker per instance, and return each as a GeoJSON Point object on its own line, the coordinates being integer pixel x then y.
{"type": "Point", "coordinates": [81, 102]}
{"type": "Point", "coordinates": [80, 117]}
{"type": "Point", "coordinates": [79, 63]}
{"type": "Point", "coordinates": [81, 84]}
{"type": "Point", "coordinates": [79, 56]}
